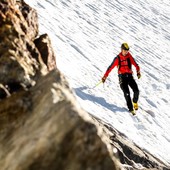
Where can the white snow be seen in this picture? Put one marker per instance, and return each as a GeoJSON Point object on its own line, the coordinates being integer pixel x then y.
{"type": "Point", "coordinates": [86, 36]}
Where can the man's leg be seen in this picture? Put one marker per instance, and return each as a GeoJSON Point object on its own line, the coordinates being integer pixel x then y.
{"type": "Point", "coordinates": [135, 89]}
{"type": "Point", "coordinates": [125, 89]}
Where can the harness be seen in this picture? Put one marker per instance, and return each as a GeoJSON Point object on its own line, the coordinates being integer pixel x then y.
{"type": "Point", "coordinates": [124, 65]}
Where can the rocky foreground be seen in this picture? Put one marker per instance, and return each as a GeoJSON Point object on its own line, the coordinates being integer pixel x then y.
{"type": "Point", "coordinates": [41, 125]}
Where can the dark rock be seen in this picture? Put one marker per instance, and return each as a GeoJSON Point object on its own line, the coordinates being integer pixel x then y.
{"type": "Point", "coordinates": [31, 17]}
{"type": "Point", "coordinates": [51, 131]}
{"type": "Point", "coordinates": [20, 61]}
{"type": "Point", "coordinates": [44, 46]}
{"type": "Point", "coordinates": [3, 92]}
{"type": "Point", "coordinates": [41, 126]}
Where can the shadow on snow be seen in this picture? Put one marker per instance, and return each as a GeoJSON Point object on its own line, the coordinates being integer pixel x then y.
{"type": "Point", "coordinates": [95, 99]}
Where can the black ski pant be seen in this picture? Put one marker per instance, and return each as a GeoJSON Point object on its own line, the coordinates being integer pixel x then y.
{"type": "Point", "coordinates": [126, 81]}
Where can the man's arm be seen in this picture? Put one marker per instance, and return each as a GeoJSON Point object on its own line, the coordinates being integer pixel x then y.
{"type": "Point", "coordinates": [136, 65]}
{"type": "Point", "coordinates": [109, 69]}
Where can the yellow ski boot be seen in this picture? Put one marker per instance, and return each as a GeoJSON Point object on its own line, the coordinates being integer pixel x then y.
{"type": "Point", "coordinates": [135, 105]}
{"type": "Point", "coordinates": [133, 112]}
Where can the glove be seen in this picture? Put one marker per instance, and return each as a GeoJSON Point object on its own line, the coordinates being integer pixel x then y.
{"type": "Point", "coordinates": [138, 75]}
{"type": "Point", "coordinates": [104, 79]}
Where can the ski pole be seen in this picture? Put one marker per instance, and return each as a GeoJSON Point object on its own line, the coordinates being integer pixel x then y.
{"type": "Point", "coordinates": [98, 84]}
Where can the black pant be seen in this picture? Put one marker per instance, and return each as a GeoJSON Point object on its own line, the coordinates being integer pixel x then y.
{"type": "Point", "coordinates": [126, 81]}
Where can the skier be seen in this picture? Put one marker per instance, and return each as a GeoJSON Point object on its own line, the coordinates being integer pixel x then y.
{"type": "Point", "coordinates": [124, 61]}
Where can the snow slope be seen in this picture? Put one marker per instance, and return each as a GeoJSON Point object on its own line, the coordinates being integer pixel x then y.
{"type": "Point", "coordinates": [87, 34]}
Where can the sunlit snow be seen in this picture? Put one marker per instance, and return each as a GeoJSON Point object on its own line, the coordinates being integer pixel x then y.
{"type": "Point", "coordinates": [86, 36]}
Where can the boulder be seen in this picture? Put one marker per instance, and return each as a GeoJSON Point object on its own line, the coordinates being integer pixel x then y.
{"type": "Point", "coordinates": [45, 129]}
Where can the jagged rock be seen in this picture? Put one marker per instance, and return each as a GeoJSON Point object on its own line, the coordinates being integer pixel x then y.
{"type": "Point", "coordinates": [20, 60]}
{"type": "Point", "coordinates": [52, 132]}
{"type": "Point", "coordinates": [131, 155]}
{"type": "Point", "coordinates": [43, 44]}
{"type": "Point", "coordinates": [3, 91]}
{"type": "Point", "coordinates": [30, 16]}
{"type": "Point", "coordinates": [40, 125]}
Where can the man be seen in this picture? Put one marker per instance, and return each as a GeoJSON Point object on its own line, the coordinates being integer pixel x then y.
{"type": "Point", "coordinates": [124, 62]}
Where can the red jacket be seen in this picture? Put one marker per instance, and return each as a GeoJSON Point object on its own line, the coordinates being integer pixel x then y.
{"type": "Point", "coordinates": [124, 64]}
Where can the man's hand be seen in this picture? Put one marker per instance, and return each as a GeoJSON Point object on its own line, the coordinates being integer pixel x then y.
{"type": "Point", "coordinates": [138, 75]}
{"type": "Point", "coordinates": [104, 79]}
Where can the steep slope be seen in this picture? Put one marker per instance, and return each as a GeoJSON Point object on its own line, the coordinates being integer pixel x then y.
{"type": "Point", "coordinates": [87, 35]}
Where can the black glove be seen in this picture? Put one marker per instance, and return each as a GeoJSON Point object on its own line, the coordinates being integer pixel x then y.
{"type": "Point", "coordinates": [138, 75]}
{"type": "Point", "coordinates": [104, 79]}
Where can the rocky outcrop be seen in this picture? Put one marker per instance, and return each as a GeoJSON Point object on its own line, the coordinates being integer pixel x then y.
{"type": "Point", "coordinates": [41, 125]}
{"type": "Point", "coordinates": [131, 155]}
{"type": "Point", "coordinates": [52, 133]}
{"type": "Point", "coordinates": [20, 61]}
{"type": "Point", "coordinates": [44, 46]}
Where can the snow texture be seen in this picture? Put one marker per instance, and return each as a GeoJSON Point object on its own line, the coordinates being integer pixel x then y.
{"type": "Point", "coordinates": [86, 36]}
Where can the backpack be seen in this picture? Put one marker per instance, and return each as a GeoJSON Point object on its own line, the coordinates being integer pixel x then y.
{"type": "Point", "coordinates": [128, 61]}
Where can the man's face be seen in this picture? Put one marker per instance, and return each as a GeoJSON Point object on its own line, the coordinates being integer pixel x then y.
{"type": "Point", "coordinates": [124, 52]}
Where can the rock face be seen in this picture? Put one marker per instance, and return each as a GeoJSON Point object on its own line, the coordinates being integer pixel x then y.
{"type": "Point", "coordinates": [52, 132]}
{"type": "Point", "coordinates": [44, 46]}
{"type": "Point", "coordinates": [20, 61]}
{"type": "Point", "coordinates": [41, 125]}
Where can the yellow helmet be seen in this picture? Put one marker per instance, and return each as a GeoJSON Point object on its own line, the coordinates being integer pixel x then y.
{"type": "Point", "coordinates": [125, 46]}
